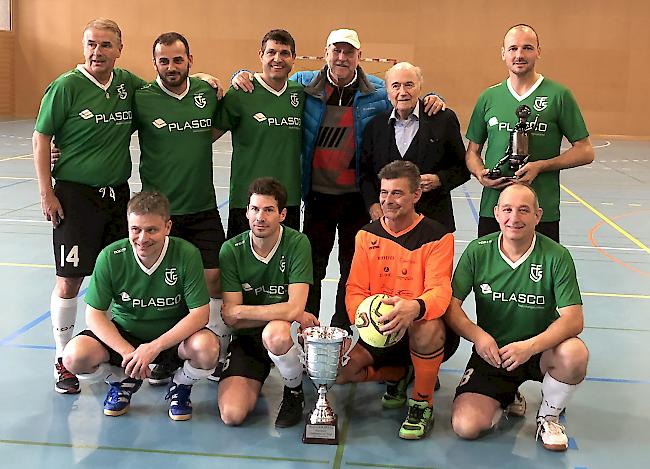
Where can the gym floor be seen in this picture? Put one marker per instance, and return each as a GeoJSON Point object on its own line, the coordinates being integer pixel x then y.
{"type": "Point", "coordinates": [605, 224]}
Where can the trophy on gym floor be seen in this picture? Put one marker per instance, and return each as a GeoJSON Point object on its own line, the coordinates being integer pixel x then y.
{"type": "Point", "coordinates": [321, 354]}
{"type": "Point", "coordinates": [517, 153]}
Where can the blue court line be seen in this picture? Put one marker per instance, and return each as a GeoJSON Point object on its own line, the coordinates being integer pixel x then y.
{"type": "Point", "coordinates": [572, 443]}
{"type": "Point", "coordinates": [29, 325]}
{"type": "Point", "coordinates": [30, 346]}
{"type": "Point", "coordinates": [470, 203]}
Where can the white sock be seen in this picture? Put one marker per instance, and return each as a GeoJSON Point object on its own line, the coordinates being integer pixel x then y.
{"type": "Point", "coordinates": [216, 325]}
{"type": "Point", "coordinates": [189, 375]}
{"type": "Point", "coordinates": [289, 367]}
{"type": "Point", "coordinates": [63, 312]}
{"type": "Point", "coordinates": [116, 374]}
{"type": "Point", "coordinates": [555, 397]}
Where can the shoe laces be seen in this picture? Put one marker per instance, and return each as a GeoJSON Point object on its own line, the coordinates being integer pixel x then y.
{"type": "Point", "coordinates": [62, 371]}
{"type": "Point", "coordinates": [179, 393]}
{"type": "Point", "coordinates": [415, 413]}
{"type": "Point", "coordinates": [292, 398]}
{"type": "Point", "coordinates": [549, 426]}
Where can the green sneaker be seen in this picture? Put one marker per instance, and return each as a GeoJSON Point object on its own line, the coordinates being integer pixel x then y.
{"type": "Point", "coordinates": [419, 421]}
{"type": "Point", "coordinates": [395, 395]}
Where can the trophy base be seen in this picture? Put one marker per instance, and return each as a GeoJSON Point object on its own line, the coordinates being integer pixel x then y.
{"type": "Point", "coordinates": [321, 433]}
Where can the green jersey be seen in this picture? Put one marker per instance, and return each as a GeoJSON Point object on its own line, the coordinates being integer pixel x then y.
{"type": "Point", "coordinates": [516, 300]}
{"type": "Point", "coordinates": [148, 302]}
{"type": "Point", "coordinates": [555, 114]}
{"type": "Point", "coordinates": [91, 125]}
{"type": "Point", "coordinates": [265, 281]}
{"type": "Point", "coordinates": [175, 133]}
{"type": "Point", "coordinates": [266, 127]}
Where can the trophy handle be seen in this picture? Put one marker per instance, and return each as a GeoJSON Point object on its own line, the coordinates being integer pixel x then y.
{"type": "Point", "coordinates": [294, 336]}
{"type": "Point", "coordinates": [345, 358]}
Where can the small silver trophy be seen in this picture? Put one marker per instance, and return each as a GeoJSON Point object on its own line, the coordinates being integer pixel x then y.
{"type": "Point", "coordinates": [321, 354]}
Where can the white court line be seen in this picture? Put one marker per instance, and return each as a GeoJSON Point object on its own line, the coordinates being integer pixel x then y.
{"type": "Point", "coordinates": [27, 157]}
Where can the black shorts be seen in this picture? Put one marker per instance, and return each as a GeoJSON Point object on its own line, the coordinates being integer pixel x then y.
{"type": "Point", "coordinates": [94, 218]}
{"type": "Point", "coordinates": [400, 353]}
{"type": "Point", "coordinates": [205, 231]}
{"type": "Point", "coordinates": [168, 357]}
{"type": "Point", "coordinates": [487, 225]}
{"type": "Point", "coordinates": [498, 383]}
{"type": "Point", "coordinates": [248, 358]}
{"type": "Point", "coordinates": [238, 223]}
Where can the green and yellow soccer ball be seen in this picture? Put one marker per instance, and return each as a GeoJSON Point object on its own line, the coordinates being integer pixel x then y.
{"type": "Point", "coordinates": [368, 319]}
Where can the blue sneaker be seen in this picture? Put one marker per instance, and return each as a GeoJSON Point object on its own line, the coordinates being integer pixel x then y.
{"type": "Point", "coordinates": [119, 394]}
{"type": "Point", "coordinates": [180, 406]}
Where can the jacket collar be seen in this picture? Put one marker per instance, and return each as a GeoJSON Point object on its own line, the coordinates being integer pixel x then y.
{"type": "Point", "coordinates": [317, 86]}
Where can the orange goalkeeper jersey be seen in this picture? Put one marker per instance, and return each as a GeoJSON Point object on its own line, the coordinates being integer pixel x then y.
{"type": "Point", "coordinates": [414, 263]}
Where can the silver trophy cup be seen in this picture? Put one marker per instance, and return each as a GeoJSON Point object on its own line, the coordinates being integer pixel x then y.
{"type": "Point", "coordinates": [321, 353]}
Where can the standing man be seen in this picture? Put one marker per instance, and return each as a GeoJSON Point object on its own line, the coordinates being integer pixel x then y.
{"type": "Point", "coordinates": [265, 275]}
{"type": "Point", "coordinates": [340, 100]}
{"type": "Point", "coordinates": [433, 143]}
{"type": "Point", "coordinates": [555, 114]}
{"type": "Point", "coordinates": [266, 127]}
{"type": "Point", "coordinates": [409, 258]}
{"type": "Point", "coordinates": [159, 311]}
{"type": "Point", "coordinates": [88, 112]}
{"type": "Point", "coordinates": [529, 315]}
{"type": "Point", "coordinates": [174, 117]}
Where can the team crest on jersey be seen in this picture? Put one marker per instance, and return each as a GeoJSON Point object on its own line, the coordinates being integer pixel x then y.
{"type": "Point", "coordinates": [536, 272]}
{"type": "Point", "coordinates": [200, 100]}
{"type": "Point", "coordinates": [283, 264]}
{"type": "Point", "coordinates": [541, 103]}
{"type": "Point", "coordinates": [121, 91]}
{"type": "Point", "coordinates": [295, 102]}
{"type": "Point", "coordinates": [171, 276]}
{"type": "Point", "coordinates": [125, 296]}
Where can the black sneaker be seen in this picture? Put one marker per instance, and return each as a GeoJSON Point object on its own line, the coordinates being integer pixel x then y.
{"type": "Point", "coordinates": [66, 382]}
{"type": "Point", "coordinates": [293, 403]}
{"type": "Point", "coordinates": [162, 373]}
{"type": "Point", "coordinates": [216, 375]}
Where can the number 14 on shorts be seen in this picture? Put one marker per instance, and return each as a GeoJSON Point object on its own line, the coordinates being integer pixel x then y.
{"type": "Point", "coordinates": [72, 257]}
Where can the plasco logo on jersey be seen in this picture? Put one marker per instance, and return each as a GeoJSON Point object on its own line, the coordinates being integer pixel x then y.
{"type": "Point", "coordinates": [278, 121]}
{"type": "Point", "coordinates": [271, 289]}
{"type": "Point", "coordinates": [160, 302]}
{"type": "Point", "coordinates": [118, 117]}
{"type": "Point", "coordinates": [194, 124]}
{"type": "Point", "coordinates": [533, 126]}
{"type": "Point", "coordinates": [521, 298]}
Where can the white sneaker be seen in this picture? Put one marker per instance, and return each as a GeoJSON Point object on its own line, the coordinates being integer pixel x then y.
{"type": "Point", "coordinates": [553, 434]}
{"type": "Point", "coordinates": [517, 407]}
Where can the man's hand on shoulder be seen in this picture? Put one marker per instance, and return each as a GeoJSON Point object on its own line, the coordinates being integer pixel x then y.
{"type": "Point", "coordinates": [243, 80]}
{"type": "Point", "coordinates": [212, 81]}
{"type": "Point", "coordinates": [401, 317]}
{"type": "Point", "coordinates": [433, 104]}
{"type": "Point", "coordinates": [136, 363]}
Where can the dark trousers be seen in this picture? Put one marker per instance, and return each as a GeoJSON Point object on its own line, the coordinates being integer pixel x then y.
{"type": "Point", "coordinates": [324, 214]}
{"type": "Point", "coordinates": [238, 223]}
{"type": "Point", "coordinates": [487, 225]}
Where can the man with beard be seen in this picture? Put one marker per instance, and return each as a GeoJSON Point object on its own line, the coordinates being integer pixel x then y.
{"type": "Point", "coordinates": [555, 114]}
{"type": "Point", "coordinates": [174, 117]}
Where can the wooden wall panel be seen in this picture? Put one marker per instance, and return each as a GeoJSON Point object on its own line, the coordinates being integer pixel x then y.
{"type": "Point", "coordinates": [7, 90]}
{"type": "Point", "coordinates": [597, 48]}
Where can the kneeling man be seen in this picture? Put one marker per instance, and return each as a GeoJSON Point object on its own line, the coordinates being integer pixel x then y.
{"type": "Point", "coordinates": [159, 313]}
{"type": "Point", "coordinates": [529, 314]}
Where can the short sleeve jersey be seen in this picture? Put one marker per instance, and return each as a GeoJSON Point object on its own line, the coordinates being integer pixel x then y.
{"type": "Point", "coordinates": [516, 301]}
{"type": "Point", "coordinates": [555, 114]}
{"type": "Point", "coordinates": [266, 128]}
{"type": "Point", "coordinates": [91, 125]}
{"type": "Point", "coordinates": [175, 133]}
{"type": "Point", "coordinates": [148, 302]}
{"type": "Point", "coordinates": [265, 281]}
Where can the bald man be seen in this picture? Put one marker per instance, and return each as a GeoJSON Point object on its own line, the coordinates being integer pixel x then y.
{"type": "Point", "coordinates": [529, 315]}
{"type": "Point", "coordinates": [555, 114]}
{"type": "Point", "coordinates": [433, 143]}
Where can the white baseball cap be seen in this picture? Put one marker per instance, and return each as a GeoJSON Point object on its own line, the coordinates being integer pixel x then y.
{"type": "Point", "coordinates": [348, 36]}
